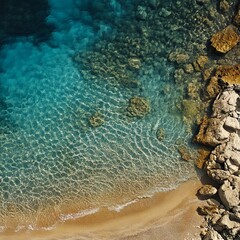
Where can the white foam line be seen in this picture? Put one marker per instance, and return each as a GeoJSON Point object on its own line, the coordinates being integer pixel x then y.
{"type": "Point", "coordinates": [83, 213]}
{"type": "Point", "coordinates": [118, 208]}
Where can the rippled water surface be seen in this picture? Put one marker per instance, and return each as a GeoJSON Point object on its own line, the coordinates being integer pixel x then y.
{"type": "Point", "coordinates": [51, 157]}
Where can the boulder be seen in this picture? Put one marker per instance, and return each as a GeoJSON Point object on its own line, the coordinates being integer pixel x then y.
{"type": "Point", "coordinates": [229, 74]}
{"type": "Point", "coordinates": [225, 103]}
{"type": "Point", "coordinates": [229, 192]}
{"type": "Point", "coordinates": [211, 132]}
{"type": "Point", "coordinates": [232, 123]}
{"type": "Point", "coordinates": [226, 223]}
{"type": "Point", "coordinates": [212, 235]}
{"type": "Point", "coordinates": [223, 41]}
{"type": "Point", "coordinates": [218, 175]}
{"type": "Point", "coordinates": [207, 190]}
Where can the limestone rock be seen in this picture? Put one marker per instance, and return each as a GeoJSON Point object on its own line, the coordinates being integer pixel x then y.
{"type": "Point", "coordinates": [212, 235]}
{"type": "Point", "coordinates": [212, 132]}
{"type": "Point", "coordinates": [208, 210]}
{"type": "Point", "coordinates": [232, 123]}
{"type": "Point", "coordinates": [228, 153]}
{"type": "Point", "coordinates": [229, 74]}
{"type": "Point", "coordinates": [218, 175]}
{"type": "Point", "coordinates": [200, 63]}
{"type": "Point", "coordinates": [213, 87]}
{"type": "Point", "coordinates": [225, 104]}
{"type": "Point", "coordinates": [229, 192]}
{"type": "Point", "coordinates": [207, 190]}
{"type": "Point", "coordinates": [138, 107]}
{"type": "Point", "coordinates": [203, 155]}
{"type": "Point", "coordinates": [223, 41]}
{"type": "Point", "coordinates": [227, 223]}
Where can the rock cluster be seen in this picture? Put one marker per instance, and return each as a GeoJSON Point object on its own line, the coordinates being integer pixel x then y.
{"type": "Point", "coordinates": [222, 131]}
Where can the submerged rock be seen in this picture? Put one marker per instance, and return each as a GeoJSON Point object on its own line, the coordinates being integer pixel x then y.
{"type": "Point", "coordinates": [138, 107]}
{"type": "Point", "coordinates": [96, 120]}
{"type": "Point", "coordinates": [223, 41]}
{"type": "Point", "coordinates": [229, 74]}
{"type": "Point", "coordinates": [178, 57]}
{"type": "Point", "coordinates": [185, 153]}
{"type": "Point", "coordinates": [224, 6]}
{"type": "Point", "coordinates": [160, 134]}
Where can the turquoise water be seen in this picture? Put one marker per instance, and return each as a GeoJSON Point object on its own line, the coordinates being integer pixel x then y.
{"type": "Point", "coordinates": [50, 156]}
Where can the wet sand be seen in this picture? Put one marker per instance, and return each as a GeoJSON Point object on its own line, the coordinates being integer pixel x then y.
{"type": "Point", "coordinates": [169, 215]}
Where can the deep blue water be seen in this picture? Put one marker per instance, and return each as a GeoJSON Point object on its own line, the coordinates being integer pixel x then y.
{"type": "Point", "coordinates": [49, 154]}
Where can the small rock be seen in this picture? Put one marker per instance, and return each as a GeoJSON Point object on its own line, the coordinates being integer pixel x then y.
{"type": "Point", "coordinates": [225, 222]}
{"type": "Point", "coordinates": [188, 68]}
{"type": "Point", "coordinates": [178, 57]}
{"type": "Point", "coordinates": [213, 202]}
{"type": "Point", "coordinates": [200, 63]}
{"type": "Point", "coordinates": [184, 152]}
{"type": "Point", "coordinates": [134, 63]}
{"type": "Point", "coordinates": [96, 120]}
{"type": "Point", "coordinates": [207, 210]}
{"type": "Point", "coordinates": [138, 107]}
{"type": "Point", "coordinates": [212, 235]}
{"type": "Point", "coordinates": [223, 41]}
{"type": "Point", "coordinates": [160, 134]}
{"type": "Point", "coordinates": [207, 190]}
{"type": "Point", "coordinates": [224, 6]}
{"type": "Point", "coordinates": [232, 123]}
{"type": "Point", "coordinates": [213, 87]}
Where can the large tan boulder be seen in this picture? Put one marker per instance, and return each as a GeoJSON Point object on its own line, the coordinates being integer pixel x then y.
{"type": "Point", "coordinates": [229, 74]}
{"type": "Point", "coordinates": [229, 192]}
{"type": "Point", "coordinates": [223, 41]}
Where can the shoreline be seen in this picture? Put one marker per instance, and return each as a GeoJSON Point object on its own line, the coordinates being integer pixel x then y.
{"type": "Point", "coordinates": [164, 212]}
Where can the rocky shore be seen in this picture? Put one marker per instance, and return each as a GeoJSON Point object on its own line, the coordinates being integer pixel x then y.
{"type": "Point", "coordinates": [222, 131]}
{"type": "Point", "coordinates": [219, 135]}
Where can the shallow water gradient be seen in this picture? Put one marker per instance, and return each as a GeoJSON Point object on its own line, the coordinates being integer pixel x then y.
{"type": "Point", "coordinates": [50, 157]}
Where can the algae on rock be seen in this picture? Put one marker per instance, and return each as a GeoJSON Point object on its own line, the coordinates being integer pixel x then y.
{"type": "Point", "coordinates": [138, 107]}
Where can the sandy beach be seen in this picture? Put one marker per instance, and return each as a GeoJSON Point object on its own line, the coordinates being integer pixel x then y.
{"type": "Point", "coordinates": [169, 215]}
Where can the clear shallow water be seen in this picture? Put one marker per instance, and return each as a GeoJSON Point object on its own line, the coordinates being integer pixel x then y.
{"type": "Point", "coordinates": [51, 159]}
